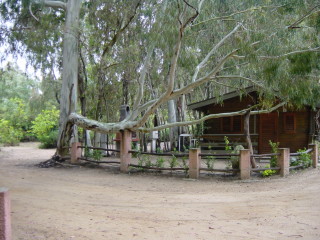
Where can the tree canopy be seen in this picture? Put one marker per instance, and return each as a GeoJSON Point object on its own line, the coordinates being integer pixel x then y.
{"type": "Point", "coordinates": [144, 53]}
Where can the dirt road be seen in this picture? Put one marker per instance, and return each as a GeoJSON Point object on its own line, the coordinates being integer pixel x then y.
{"type": "Point", "coordinates": [81, 203]}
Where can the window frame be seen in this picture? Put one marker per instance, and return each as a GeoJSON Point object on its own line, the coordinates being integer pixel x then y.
{"type": "Point", "coordinates": [285, 124]}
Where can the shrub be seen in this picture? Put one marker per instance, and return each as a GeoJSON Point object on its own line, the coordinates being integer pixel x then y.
{"type": "Point", "coordinates": [269, 172]}
{"type": "Point", "coordinates": [160, 162]}
{"type": "Point", "coordinates": [50, 140]}
{"type": "Point", "coordinates": [304, 159]}
{"type": "Point", "coordinates": [209, 161]}
{"type": "Point", "coordinates": [275, 149]}
{"type": "Point", "coordinates": [235, 159]}
{"type": "Point", "coordinates": [9, 136]}
{"type": "Point", "coordinates": [45, 128]}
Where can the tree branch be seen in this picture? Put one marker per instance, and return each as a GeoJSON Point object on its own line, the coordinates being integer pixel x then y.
{"type": "Point", "coordinates": [188, 88]}
{"type": "Point", "coordinates": [55, 4]}
{"type": "Point", "coordinates": [239, 77]}
{"type": "Point", "coordinates": [30, 10]}
{"type": "Point", "coordinates": [171, 75]}
{"type": "Point", "coordinates": [97, 126]}
{"type": "Point", "coordinates": [213, 50]}
{"type": "Point", "coordinates": [123, 27]}
{"type": "Point", "coordinates": [141, 81]}
{"type": "Point", "coordinates": [317, 49]}
{"type": "Point", "coordinates": [211, 116]}
{"type": "Point", "coordinates": [300, 20]}
{"type": "Point", "coordinates": [228, 16]}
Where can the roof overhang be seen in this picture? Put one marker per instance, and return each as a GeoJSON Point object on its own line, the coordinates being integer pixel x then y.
{"type": "Point", "coordinates": [214, 100]}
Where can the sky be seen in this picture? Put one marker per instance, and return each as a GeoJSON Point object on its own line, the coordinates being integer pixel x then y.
{"type": "Point", "coordinates": [20, 61]}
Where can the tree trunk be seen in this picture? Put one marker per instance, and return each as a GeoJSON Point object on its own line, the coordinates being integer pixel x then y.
{"type": "Point", "coordinates": [69, 88]}
{"type": "Point", "coordinates": [247, 135]}
{"type": "Point", "coordinates": [172, 118]}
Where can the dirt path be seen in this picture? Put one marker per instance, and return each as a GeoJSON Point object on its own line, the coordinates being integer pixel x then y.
{"type": "Point", "coordinates": [82, 203]}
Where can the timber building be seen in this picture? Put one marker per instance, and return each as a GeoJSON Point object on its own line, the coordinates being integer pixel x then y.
{"type": "Point", "coordinates": [293, 129]}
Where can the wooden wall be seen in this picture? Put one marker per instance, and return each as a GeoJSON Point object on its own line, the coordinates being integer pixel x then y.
{"type": "Point", "coordinates": [300, 138]}
{"type": "Point", "coordinates": [294, 141]}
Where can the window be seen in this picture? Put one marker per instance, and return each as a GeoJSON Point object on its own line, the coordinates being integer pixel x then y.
{"type": "Point", "coordinates": [289, 123]}
{"type": "Point", "coordinates": [231, 124]}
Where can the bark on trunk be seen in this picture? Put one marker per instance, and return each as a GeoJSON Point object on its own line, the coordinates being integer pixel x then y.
{"type": "Point", "coordinates": [247, 136]}
{"type": "Point", "coordinates": [172, 118]}
{"type": "Point", "coordinates": [69, 75]}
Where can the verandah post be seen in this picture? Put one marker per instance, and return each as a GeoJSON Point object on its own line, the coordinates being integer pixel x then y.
{"type": "Point", "coordinates": [284, 161]}
{"type": "Point", "coordinates": [125, 147]}
{"type": "Point", "coordinates": [194, 163]}
{"type": "Point", "coordinates": [245, 167]}
{"type": "Point", "coordinates": [75, 152]}
{"type": "Point", "coordinates": [5, 218]}
{"type": "Point", "coordinates": [314, 154]}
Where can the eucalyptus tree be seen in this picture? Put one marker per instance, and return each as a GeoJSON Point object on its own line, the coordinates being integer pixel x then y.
{"type": "Point", "coordinates": [246, 48]}
{"type": "Point", "coordinates": [217, 44]}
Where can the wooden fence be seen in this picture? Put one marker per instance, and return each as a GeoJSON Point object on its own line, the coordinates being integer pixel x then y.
{"type": "Point", "coordinates": [194, 155]}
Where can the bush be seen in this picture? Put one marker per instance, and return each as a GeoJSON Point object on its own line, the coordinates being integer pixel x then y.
{"type": "Point", "coordinates": [304, 159]}
{"type": "Point", "coordinates": [45, 128]}
{"type": "Point", "coordinates": [275, 149]}
{"type": "Point", "coordinates": [269, 172]}
{"type": "Point", "coordinates": [9, 136]}
{"type": "Point", "coordinates": [50, 140]}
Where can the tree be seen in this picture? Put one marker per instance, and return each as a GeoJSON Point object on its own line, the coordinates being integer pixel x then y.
{"type": "Point", "coordinates": [216, 44]}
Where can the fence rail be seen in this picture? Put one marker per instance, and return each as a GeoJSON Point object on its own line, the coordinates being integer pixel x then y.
{"type": "Point", "coordinates": [161, 154]}
{"type": "Point", "coordinates": [99, 148]}
{"type": "Point", "coordinates": [158, 168]}
{"type": "Point", "coordinates": [219, 170]}
{"type": "Point", "coordinates": [218, 155]}
{"type": "Point", "coordinates": [194, 165]}
{"type": "Point", "coordinates": [95, 161]}
{"type": "Point", "coordinates": [265, 155]}
{"type": "Point", "coordinates": [300, 153]}
{"type": "Point", "coordinates": [264, 169]}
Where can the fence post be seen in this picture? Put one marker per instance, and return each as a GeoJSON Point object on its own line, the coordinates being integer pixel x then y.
{"type": "Point", "coordinates": [314, 154]}
{"type": "Point", "coordinates": [125, 147]}
{"type": "Point", "coordinates": [194, 163]}
{"type": "Point", "coordinates": [284, 161]}
{"type": "Point", "coordinates": [245, 167]}
{"type": "Point", "coordinates": [5, 218]}
{"type": "Point", "coordinates": [75, 152]}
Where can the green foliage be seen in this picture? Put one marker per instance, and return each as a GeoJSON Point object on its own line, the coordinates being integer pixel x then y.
{"type": "Point", "coordinates": [45, 127]}
{"type": "Point", "coordinates": [301, 63]}
{"type": "Point", "coordinates": [274, 149]}
{"type": "Point", "coordinates": [209, 161]}
{"type": "Point", "coordinates": [173, 161]}
{"type": "Point", "coordinates": [235, 162]}
{"type": "Point", "coordinates": [135, 147]}
{"type": "Point", "coordinates": [160, 162]}
{"type": "Point", "coordinates": [269, 172]}
{"type": "Point", "coordinates": [304, 159]}
{"type": "Point", "coordinates": [227, 147]}
{"type": "Point", "coordinates": [97, 154]}
{"type": "Point", "coordinates": [144, 160]}
{"type": "Point", "coordinates": [184, 161]}
{"type": "Point", "coordinates": [9, 136]}
{"type": "Point", "coordinates": [112, 57]}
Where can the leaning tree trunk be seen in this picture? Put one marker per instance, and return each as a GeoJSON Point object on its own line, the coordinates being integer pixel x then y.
{"type": "Point", "coordinates": [248, 138]}
{"type": "Point", "coordinates": [172, 118]}
{"type": "Point", "coordinates": [69, 75]}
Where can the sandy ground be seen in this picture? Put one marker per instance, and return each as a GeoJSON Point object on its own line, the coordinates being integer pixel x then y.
{"type": "Point", "coordinates": [85, 203]}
